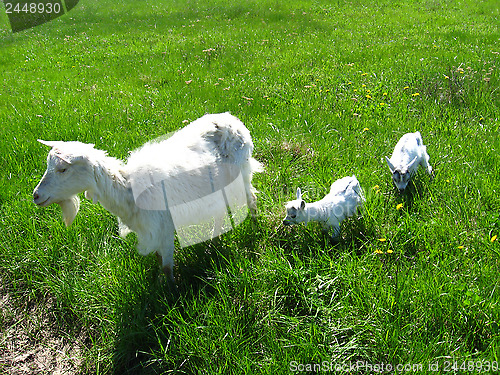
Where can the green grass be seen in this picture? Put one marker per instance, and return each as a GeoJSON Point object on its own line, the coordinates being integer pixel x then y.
{"type": "Point", "coordinates": [326, 90]}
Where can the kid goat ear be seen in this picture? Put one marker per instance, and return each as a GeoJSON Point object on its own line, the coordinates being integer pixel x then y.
{"type": "Point", "coordinates": [410, 165]}
{"type": "Point", "coordinates": [391, 166]}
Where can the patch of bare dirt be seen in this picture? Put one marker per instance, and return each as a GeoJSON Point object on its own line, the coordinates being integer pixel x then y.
{"type": "Point", "coordinates": [30, 341]}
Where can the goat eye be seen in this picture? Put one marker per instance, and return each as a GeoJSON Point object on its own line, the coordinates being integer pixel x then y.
{"type": "Point", "coordinates": [62, 170]}
{"type": "Point", "coordinates": [293, 216]}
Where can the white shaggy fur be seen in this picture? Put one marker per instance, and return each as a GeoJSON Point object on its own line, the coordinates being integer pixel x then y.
{"type": "Point", "coordinates": [341, 202]}
{"type": "Point", "coordinates": [209, 154]}
{"type": "Point", "coordinates": [408, 154]}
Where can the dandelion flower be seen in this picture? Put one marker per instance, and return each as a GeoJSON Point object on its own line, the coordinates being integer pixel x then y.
{"type": "Point", "coordinates": [365, 130]}
{"type": "Point", "coordinates": [368, 97]}
{"type": "Point", "coordinates": [415, 94]}
{"type": "Point", "coordinates": [389, 251]}
{"type": "Point", "coordinates": [382, 104]}
{"type": "Point", "coordinates": [446, 77]}
{"type": "Point", "coordinates": [376, 187]}
{"type": "Point", "coordinates": [399, 206]}
{"type": "Point", "coordinates": [461, 247]}
{"type": "Point", "coordinates": [493, 238]}
{"type": "Point", "coordinates": [382, 239]}
{"type": "Point", "coordinates": [364, 74]}
{"type": "Point", "coordinates": [378, 251]}
{"type": "Point", "coordinates": [363, 85]}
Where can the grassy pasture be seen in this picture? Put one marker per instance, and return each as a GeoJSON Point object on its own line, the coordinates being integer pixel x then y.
{"type": "Point", "coordinates": [326, 89]}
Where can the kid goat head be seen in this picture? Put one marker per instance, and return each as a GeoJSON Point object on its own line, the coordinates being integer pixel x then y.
{"type": "Point", "coordinates": [408, 154]}
{"type": "Point", "coordinates": [295, 210]}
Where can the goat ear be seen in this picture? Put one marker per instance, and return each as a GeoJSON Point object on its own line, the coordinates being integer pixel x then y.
{"type": "Point", "coordinates": [55, 144]}
{"type": "Point", "coordinates": [302, 205]}
{"type": "Point", "coordinates": [64, 157]}
{"type": "Point", "coordinates": [51, 144]}
{"type": "Point", "coordinates": [299, 194]}
{"type": "Point", "coordinates": [410, 165]}
{"type": "Point", "coordinates": [391, 166]}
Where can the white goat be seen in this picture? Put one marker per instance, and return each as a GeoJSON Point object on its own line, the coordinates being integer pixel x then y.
{"type": "Point", "coordinates": [176, 183]}
{"type": "Point", "coordinates": [340, 203]}
{"type": "Point", "coordinates": [408, 154]}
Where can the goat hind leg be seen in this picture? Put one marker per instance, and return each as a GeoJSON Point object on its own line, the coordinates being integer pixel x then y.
{"type": "Point", "coordinates": [425, 162]}
{"type": "Point", "coordinates": [166, 259]}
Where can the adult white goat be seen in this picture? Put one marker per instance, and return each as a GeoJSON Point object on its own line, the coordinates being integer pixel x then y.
{"type": "Point", "coordinates": [188, 180]}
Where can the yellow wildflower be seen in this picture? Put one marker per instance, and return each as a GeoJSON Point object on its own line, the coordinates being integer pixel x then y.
{"type": "Point", "coordinates": [378, 251]}
{"type": "Point", "coordinates": [382, 239]}
{"type": "Point", "coordinates": [365, 130]}
{"type": "Point", "coordinates": [461, 247]}
{"type": "Point", "coordinates": [415, 94]}
{"type": "Point", "coordinates": [493, 238]}
{"type": "Point", "coordinates": [399, 206]}
{"type": "Point", "coordinates": [389, 251]}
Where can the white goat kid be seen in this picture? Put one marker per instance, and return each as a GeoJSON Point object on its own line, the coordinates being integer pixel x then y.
{"type": "Point", "coordinates": [408, 154]}
{"type": "Point", "coordinates": [193, 175]}
{"type": "Point", "coordinates": [340, 203]}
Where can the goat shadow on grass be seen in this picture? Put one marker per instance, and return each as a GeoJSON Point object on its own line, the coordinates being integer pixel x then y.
{"type": "Point", "coordinates": [354, 232]}
{"type": "Point", "coordinates": [137, 333]}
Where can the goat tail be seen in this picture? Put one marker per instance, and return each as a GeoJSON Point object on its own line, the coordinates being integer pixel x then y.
{"type": "Point", "coordinates": [256, 166]}
{"type": "Point", "coordinates": [231, 139]}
